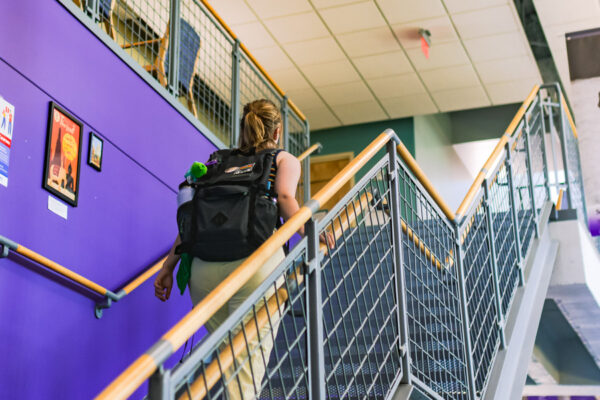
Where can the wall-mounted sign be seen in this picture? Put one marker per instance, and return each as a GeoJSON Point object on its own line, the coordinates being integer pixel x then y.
{"type": "Point", "coordinates": [7, 124]}
{"type": "Point", "coordinates": [95, 151]}
{"type": "Point", "coordinates": [63, 155]}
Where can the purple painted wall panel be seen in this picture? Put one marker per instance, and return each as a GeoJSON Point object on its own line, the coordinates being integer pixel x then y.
{"type": "Point", "coordinates": [52, 346]}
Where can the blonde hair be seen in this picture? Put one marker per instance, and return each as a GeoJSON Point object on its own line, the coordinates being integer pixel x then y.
{"type": "Point", "coordinates": [260, 119]}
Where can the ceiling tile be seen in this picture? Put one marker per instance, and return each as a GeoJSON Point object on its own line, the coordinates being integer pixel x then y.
{"type": "Point", "coordinates": [441, 31]}
{"type": "Point", "coordinates": [295, 28]}
{"type": "Point", "coordinates": [289, 79]}
{"type": "Point", "coordinates": [489, 21]}
{"type": "Point", "coordinates": [381, 65]}
{"type": "Point", "coordinates": [507, 69]}
{"type": "Point", "coordinates": [306, 98]}
{"type": "Point", "coordinates": [331, 73]}
{"type": "Point", "coordinates": [254, 35]}
{"type": "Point", "coordinates": [360, 112]}
{"type": "Point", "coordinates": [320, 4]}
{"type": "Point", "coordinates": [234, 11]}
{"type": "Point", "coordinates": [404, 106]}
{"type": "Point", "coordinates": [440, 56]}
{"type": "Point", "coordinates": [321, 118]}
{"type": "Point", "coordinates": [461, 99]}
{"type": "Point", "coordinates": [352, 92]}
{"type": "Point", "coordinates": [270, 9]}
{"type": "Point", "coordinates": [315, 51]}
{"type": "Point", "coordinates": [450, 78]}
{"type": "Point", "coordinates": [403, 11]}
{"type": "Point", "coordinates": [353, 17]}
{"type": "Point", "coordinates": [272, 58]}
{"type": "Point", "coordinates": [373, 41]}
{"type": "Point", "coordinates": [459, 6]}
{"type": "Point", "coordinates": [396, 86]}
{"type": "Point", "coordinates": [510, 92]}
{"type": "Point", "coordinates": [506, 45]}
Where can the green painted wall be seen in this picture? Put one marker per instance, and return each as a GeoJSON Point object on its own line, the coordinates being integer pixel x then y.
{"type": "Point", "coordinates": [355, 138]}
{"type": "Point", "coordinates": [481, 123]}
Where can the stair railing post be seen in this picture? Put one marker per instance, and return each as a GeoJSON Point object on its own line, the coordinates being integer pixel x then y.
{"type": "Point", "coordinates": [306, 164]}
{"type": "Point", "coordinates": [493, 255]}
{"type": "Point", "coordinates": [174, 42]}
{"type": "Point", "coordinates": [159, 387]}
{"type": "Point", "coordinates": [285, 109]}
{"type": "Point", "coordinates": [513, 210]}
{"type": "Point", "coordinates": [564, 149]}
{"type": "Point", "coordinates": [544, 155]}
{"type": "Point", "coordinates": [398, 262]}
{"type": "Point", "coordinates": [235, 94]}
{"type": "Point", "coordinates": [315, 330]}
{"type": "Point", "coordinates": [468, 348]}
{"type": "Point", "coordinates": [527, 130]}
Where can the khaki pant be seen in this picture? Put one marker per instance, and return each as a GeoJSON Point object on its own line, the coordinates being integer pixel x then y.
{"type": "Point", "coordinates": [205, 276]}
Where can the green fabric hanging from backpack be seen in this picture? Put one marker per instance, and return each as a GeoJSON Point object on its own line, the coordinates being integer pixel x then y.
{"type": "Point", "coordinates": [184, 272]}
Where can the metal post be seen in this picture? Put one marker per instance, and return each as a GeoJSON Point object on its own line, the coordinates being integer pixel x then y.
{"type": "Point", "coordinates": [174, 41]}
{"type": "Point", "coordinates": [316, 372]}
{"type": "Point", "coordinates": [468, 349]}
{"type": "Point", "coordinates": [235, 94]}
{"type": "Point", "coordinates": [285, 109]}
{"type": "Point", "coordinates": [398, 262]}
{"type": "Point", "coordinates": [92, 8]}
{"type": "Point", "coordinates": [495, 275]}
{"type": "Point", "coordinates": [513, 210]}
{"type": "Point", "coordinates": [583, 202]}
{"type": "Point", "coordinates": [306, 165]}
{"type": "Point", "coordinates": [530, 178]}
{"type": "Point", "coordinates": [159, 387]}
{"type": "Point", "coordinates": [554, 159]}
{"type": "Point", "coordinates": [544, 156]}
{"type": "Point", "coordinates": [563, 144]}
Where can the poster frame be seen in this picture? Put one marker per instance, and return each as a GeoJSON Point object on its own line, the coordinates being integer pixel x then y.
{"type": "Point", "coordinates": [53, 107]}
{"type": "Point", "coordinates": [97, 167]}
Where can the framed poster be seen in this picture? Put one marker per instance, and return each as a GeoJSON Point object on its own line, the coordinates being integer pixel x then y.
{"type": "Point", "coordinates": [95, 151]}
{"type": "Point", "coordinates": [63, 155]}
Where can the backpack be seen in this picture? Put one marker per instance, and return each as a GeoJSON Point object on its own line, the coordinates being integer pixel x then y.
{"type": "Point", "coordinates": [234, 206]}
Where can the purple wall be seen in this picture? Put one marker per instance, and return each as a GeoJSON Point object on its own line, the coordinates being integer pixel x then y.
{"type": "Point", "coordinates": [52, 346]}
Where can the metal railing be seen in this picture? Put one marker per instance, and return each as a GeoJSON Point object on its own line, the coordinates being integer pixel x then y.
{"type": "Point", "coordinates": [185, 47]}
{"type": "Point", "coordinates": [109, 296]}
{"type": "Point", "coordinates": [410, 293]}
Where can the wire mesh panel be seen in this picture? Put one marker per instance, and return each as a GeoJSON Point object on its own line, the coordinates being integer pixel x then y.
{"type": "Point", "coordinates": [254, 86]}
{"type": "Point", "coordinates": [574, 167]}
{"type": "Point", "coordinates": [506, 245]}
{"type": "Point", "coordinates": [207, 70]}
{"type": "Point", "coordinates": [298, 140]}
{"type": "Point", "coordinates": [360, 312]}
{"type": "Point", "coordinates": [536, 145]}
{"type": "Point", "coordinates": [432, 291]}
{"type": "Point", "coordinates": [263, 352]}
{"type": "Point", "coordinates": [525, 214]}
{"type": "Point", "coordinates": [481, 307]}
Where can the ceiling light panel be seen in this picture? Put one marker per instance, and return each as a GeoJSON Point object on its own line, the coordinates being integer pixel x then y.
{"type": "Point", "coordinates": [353, 17]}
{"type": "Point", "coordinates": [373, 41]}
{"type": "Point", "coordinates": [404, 11]}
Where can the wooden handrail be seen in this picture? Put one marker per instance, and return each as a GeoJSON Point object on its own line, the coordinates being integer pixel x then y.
{"type": "Point", "coordinates": [560, 199]}
{"type": "Point", "coordinates": [569, 116]}
{"type": "Point", "coordinates": [251, 57]}
{"type": "Point", "coordinates": [138, 372]}
{"type": "Point", "coordinates": [314, 148]}
{"type": "Point", "coordinates": [470, 196]}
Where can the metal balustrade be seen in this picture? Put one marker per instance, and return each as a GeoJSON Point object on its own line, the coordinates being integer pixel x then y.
{"type": "Point", "coordinates": [187, 49]}
{"type": "Point", "coordinates": [408, 294]}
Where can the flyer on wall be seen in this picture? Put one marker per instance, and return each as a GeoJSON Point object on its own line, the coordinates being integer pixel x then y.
{"type": "Point", "coordinates": [7, 123]}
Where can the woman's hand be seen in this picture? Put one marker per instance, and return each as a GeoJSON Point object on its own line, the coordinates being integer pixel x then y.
{"type": "Point", "coordinates": [327, 238]}
{"type": "Point", "coordinates": [163, 284]}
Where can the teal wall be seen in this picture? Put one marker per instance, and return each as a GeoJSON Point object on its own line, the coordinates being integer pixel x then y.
{"type": "Point", "coordinates": [355, 138]}
{"type": "Point", "coordinates": [481, 123]}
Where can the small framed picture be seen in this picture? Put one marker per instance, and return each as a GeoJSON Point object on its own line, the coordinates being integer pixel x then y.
{"type": "Point", "coordinates": [95, 151]}
{"type": "Point", "coordinates": [63, 155]}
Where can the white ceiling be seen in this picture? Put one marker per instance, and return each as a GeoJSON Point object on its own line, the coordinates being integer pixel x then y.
{"type": "Point", "coordinates": [350, 61]}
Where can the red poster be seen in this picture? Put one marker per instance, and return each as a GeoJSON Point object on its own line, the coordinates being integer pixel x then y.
{"type": "Point", "coordinates": [63, 155]}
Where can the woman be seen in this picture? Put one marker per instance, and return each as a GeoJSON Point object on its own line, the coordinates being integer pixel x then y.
{"type": "Point", "coordinates": [260, 130]}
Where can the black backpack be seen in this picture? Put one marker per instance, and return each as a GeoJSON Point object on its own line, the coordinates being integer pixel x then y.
{"type": "Point", "coordinates": [233, 209]}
